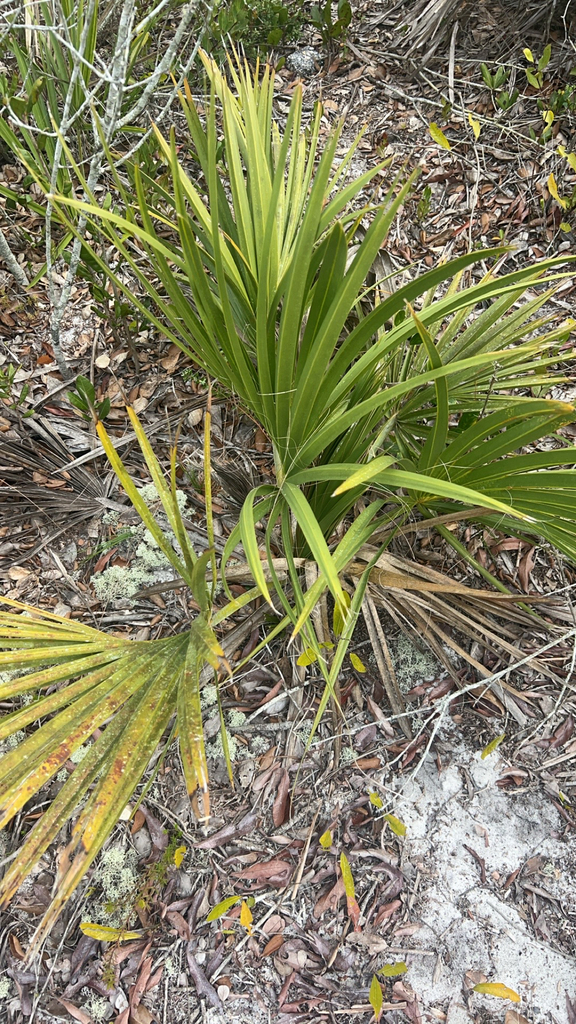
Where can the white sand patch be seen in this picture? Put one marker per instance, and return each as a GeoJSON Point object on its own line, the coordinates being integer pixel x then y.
{"type": "Point", "coordinates": [474, 926]}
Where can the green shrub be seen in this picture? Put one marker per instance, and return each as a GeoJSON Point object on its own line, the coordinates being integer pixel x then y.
{"type": "Point", "coordinates": [253, 25]}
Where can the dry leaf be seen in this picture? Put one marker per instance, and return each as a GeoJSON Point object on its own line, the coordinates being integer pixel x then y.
{"type": "Point", "coordinates": [274, 924]}
{"type": "Point", "coordinates": [179, 923]}
{"type": "Point", "coordinates": [279, 870]}
{"type": "Point", "coordinates": [513, 1017]}
{"type": "Point", "coordinates": [139, 820]}
{"type": "Point", "coordinates": [563, 733]}
{"type": "Point", "coordinates": [16, 947]}
{"type": "Point", "coordinates": [273, 944]}
{"type": "Point", "coordinates": [78, 1014]}
{"type": "Point", "coordinates": [280, 806]}
{"type": "Point", "coordinates": [330, 900]}
{"type": "Point", "coordinates": [170, 361]}
{"type": "Point", "coordinates": [18, 572]}
{"type": "Point", "coordinates": [260, 440]}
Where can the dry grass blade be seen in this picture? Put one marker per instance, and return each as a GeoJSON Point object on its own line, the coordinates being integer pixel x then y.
{"type": "Point", "coordinates": [384, 662]}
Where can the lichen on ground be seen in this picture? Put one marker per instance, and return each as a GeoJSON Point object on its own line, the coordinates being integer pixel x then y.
{"type": "Point", "coordinates": [148, 563]}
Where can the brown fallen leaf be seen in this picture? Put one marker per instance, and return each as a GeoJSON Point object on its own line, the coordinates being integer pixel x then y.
{"type": "Point", "coordinates": [170, 361]}
{"type": "Point", "coordinates": [203, 986]}
{"type": "Point", "coordinates": [75, 1012]}
{"type": "Point", "coordinates": [274, 924]}
{"type": "Point", "coordinates": [280, 806]}
{"type": "Point", "coordinates": [386, 911]}
{"type": "Point", "coordinates": [331, 899]}
{"type": "Point", "coordinates": [139, 817]}
{"type": "Point", "coordinates": [139, 987]}
{"type": "Point", "coordinates": [525, 568]}
{"type": "Point", "coordinates": [402, 990]}
{"type": "Point", "coordinates": [233, 831]}
{"type": "Point", "coordinates": [563, 733]}
{"type": "Point", "coordinates": [141, 1015]}
{"type": "Point", "coordinates": [16, 947]}
{"type": "Point", "coordinates": [513, 1017]}
{"type": "Point", "coordinates": [275, 871]}
{"type": "Point", "coordinates": [472, 978]}
{"type": "Point", "coordinates": [273, 944]}
{"type": "Point", "coordinates": [179, 923]}
{"type": "Point", "coordinates": [260, 440]}
{"type": "Point", "coordinates": [368, 940]}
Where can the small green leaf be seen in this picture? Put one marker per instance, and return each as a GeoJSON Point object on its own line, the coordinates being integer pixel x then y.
{"type": "Point", "coordinates": [222, 908]}
{"type": "Point", "coordinates": [438, 136]}
{"type": "Point", "coordinates": [545, 58]}
{"type": "Point", "coordinates": [357, 663]}
{"type": "Point", "coordinates": [375, 997]}
{"type": "Point", "coordinates": [493, 745]}
{"type": "Point", "coordinates": [486, 76]}
{"type": "Point", "coordinates": [326, 840]}
{"type": "Point", "coordinates": [565, 226]}
{"type": "Point", "coordinates": [376, 801]}
{"type": "Point", "coordinates": [393, 970]}
{"type": "Point", "coordinates": [398, 827]}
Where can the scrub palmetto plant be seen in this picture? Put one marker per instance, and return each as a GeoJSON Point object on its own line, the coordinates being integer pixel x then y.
{"type": "Point", "coordinates": [121, 699]}
{"type": "Point", "coordinates": [427, 401]}
{"type": "Point", "coordinates": [422, 402]}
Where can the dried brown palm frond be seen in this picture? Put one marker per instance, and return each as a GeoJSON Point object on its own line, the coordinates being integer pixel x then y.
{"type": "Point", "coordinates": [451, 618]}
{"type": "Point", "coordinates": [36, 484]}
{"type": "Point", "coordinates": [428, 24]}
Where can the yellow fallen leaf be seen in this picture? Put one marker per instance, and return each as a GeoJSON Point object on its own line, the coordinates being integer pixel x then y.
{"type": "Point", "coordinates": [375, 800]}
{"type": "Point", "coordinates": [393, 970]}
{"type": "Point", "coordinates": [179, 855]}
{"type": "Point", "coordinates": [307, 657]}
{"type": "Point", "coordinates": [246, 917]}
{"type": "Point", "coordinates": [326, 840]}
{"type": "Point", "coordinates": [104, 933]}
{"type": "Point", "coordinates": [496, 988]}
{"type": "Point", "coordinates": [347, 876]}
{"type": "Point", "coordinates": [357, 663]}
{"type": "Point", "coordinates": [553, 190]}
{"type": "Point", "coordinates": [474, 124]}
{"type": "Point", "coordinates": [398, 827]}
{"type": "Point", "coordinates": [438, 136]}
{"type": "Point", "coordinates": [375, 997]}
{"type": "Point", "coordinates": [492, 746]}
